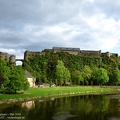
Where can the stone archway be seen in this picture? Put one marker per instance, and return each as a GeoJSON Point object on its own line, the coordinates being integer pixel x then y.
{"type": "Point", "coordinates": [19, 61]}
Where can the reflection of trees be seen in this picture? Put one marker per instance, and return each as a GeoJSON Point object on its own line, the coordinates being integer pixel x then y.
{"type": "Point", "coordinates": [114, 108]}
{"type": "Point", "coordinates": [43, 111]}
{"type": "Point", "coordinates": [100, 103]}
{"type": "Point", "coordinates": [63, 104]}
{"type": "Point", "coordinates": [13, 108]}
{"type": "Point", "coordinates": [84, 107]}
{"type": "Point", "coordinates": [91, 106]}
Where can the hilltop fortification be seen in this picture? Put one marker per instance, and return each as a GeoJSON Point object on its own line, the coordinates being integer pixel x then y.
{"type": "Point", "coordinates": [8, 57]}
{"type": "Point", "coordinates": [74, 51]}
{"type": "Point", "coordinates": [28, 54]}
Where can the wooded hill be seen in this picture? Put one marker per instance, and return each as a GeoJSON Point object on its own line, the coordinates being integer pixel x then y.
{"type": "Point", "coordinates": [63, 68]}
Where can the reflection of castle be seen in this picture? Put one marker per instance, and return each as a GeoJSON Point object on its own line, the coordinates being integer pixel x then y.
{"type": "Point", "coordinates": [74, 51]}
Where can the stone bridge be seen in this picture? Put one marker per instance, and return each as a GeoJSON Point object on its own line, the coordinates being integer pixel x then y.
{"type": "Point", "coordinates": [20, 60]}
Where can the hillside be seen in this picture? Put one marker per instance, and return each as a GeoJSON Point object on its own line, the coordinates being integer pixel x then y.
{"type": "Point", "coordinates": [82, 69]}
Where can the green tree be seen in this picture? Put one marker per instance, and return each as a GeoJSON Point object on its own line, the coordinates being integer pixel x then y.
{"type": "Point", "coordinates": [16, 80]}
{"type": "Point", "coordinates": [4, 71]}
{"type": "Point", "coordinates": [100, 75]}
{"type": "Point", "coordinates": [115, 76]}
{"type": "Point", "coordinates": [77, 77]}
{"type": "Point", "coordinates": [66, 75]}
{"type": "Point", "coordinates": [87, 73]}
{"type": "Point", "coordinates": [62, 73]}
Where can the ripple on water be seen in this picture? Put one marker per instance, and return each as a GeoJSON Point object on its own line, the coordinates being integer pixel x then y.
{"type": "Point", "coordinates": [113, 118]}
{"type": "Point", "coordinates": [114, 96]}
{"type": "Point", "coordinates": [62, 116]}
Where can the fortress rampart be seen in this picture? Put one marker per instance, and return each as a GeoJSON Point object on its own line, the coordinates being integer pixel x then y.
{"type": "Point", "coordinates": [74, 51]}
{"type": "Point", "coordinates": [110, 54]}
{"type": "Point", "coordinates": [28, 54]}
{"type": "Point", "coordinates": [8, 57]}
{"type": "Point", "coordinates": [90, 53]}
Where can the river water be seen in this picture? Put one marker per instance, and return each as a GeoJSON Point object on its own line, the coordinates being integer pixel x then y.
{"type": "Point", "coordinates": [84, 107]}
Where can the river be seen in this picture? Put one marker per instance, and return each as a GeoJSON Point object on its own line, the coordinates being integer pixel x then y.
{"type": "Point", "coordinates": [84, 107]}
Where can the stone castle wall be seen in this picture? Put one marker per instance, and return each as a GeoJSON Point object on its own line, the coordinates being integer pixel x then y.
{"type": "Point", "coordinates": [90, 53]}
{"type": "Point", "coordinates": [8, 57]}
{"type": "Point", "coordinates": [4, 56]}
{"type": "Point", "coordinates": [110, 54]}
{"type": "Point", "coordinates": [74, 51]}
{"type": "Point", "coordinates": [28, 54]}
{"type": "Point", "coordinates": [70, 52]}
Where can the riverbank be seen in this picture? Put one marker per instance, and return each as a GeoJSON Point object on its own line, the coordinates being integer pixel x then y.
{"type": "Point", "coordinates": [33, 93]}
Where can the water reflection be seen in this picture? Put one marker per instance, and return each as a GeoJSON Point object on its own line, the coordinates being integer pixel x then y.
{"type": "Point", "coordinates": [62, 116]}
{"type": "Point", "coordinates": [113, 118]}
{"type": "Point", "coordinates": [86, 107]}
{"type": "Point", "coordinates": [52, 99]}
{"type": "Point", "coordinates": [28, 105]}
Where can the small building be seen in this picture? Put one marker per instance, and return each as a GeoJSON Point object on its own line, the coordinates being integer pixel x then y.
{"type": "Point", "coordinates": [30, 79]}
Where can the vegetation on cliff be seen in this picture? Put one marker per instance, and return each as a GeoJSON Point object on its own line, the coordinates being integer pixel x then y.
{"type": "Point", "coordinates": [62, 68]}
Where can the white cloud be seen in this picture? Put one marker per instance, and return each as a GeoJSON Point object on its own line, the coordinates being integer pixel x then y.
{"type": "Point", "coordinates": [104, 31]}
{"type": "Point", "coordinates": [36, 25]}
{"type": "Point", "coordinates": [91, 1]}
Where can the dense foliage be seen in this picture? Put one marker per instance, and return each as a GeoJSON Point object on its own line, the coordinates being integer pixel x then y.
{"type": "Point", "coordinates": [85, 70]}
{"type": "Point", "coordinates": [13, 77]}
{"type": "Point", "coordinates": [62, 73]}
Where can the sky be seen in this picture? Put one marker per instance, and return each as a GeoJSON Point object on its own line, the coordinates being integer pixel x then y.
{"type": "Point", "coordinates": [39, 24]}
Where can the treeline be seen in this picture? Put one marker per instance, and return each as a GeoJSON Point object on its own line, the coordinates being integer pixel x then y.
{"type": "Point", "coordinates": [63, 68]}
{"type": "Point", "coordinates": [12, 78]}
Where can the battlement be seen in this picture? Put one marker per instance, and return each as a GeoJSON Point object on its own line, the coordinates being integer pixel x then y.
{"type": "Point", "coordinates": [74, 51]}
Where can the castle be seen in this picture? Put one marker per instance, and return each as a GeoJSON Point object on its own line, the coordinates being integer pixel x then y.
{"type": "Point", "coordinates": [8, 57]}
{"type": "Point", "coordinates": [74, 51]}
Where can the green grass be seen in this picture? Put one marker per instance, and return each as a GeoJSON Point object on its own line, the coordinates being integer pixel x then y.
{"type": "Point", "coordinates": [42, 92]}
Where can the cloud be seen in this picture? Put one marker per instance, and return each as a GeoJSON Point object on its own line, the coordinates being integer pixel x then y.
{"type": "Point", "coordinates": [36, 25]}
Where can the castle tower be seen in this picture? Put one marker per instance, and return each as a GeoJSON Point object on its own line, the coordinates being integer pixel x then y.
{"type": "Point", "coordinates": [5, 56]}
{"type": "Point", "coordinates": [108, 54]}
{"type": "Point", "coordinates": [12, 59]}
{"type": "Point", "coordinates": [26, 55]}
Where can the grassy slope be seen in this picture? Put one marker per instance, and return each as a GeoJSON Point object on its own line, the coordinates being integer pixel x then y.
{"type": "Point", "coordinates": [41, 92]}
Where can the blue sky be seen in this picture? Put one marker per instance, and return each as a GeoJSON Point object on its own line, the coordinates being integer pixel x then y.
{"type": "Point", "coordinates": [40, 24]}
